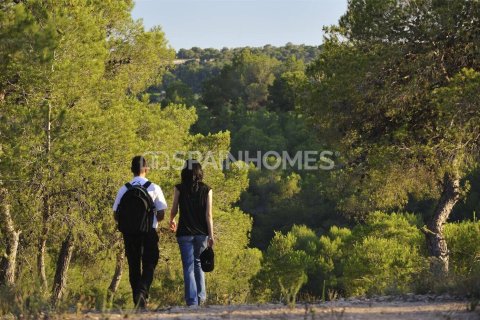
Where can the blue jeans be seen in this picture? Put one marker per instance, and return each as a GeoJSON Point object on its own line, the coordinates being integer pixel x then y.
{"type": "Point", "coordinates": [194, 278]}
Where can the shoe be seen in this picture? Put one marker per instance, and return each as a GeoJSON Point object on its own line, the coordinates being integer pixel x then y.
{"type": "Point", "coordinates": [141, 303]}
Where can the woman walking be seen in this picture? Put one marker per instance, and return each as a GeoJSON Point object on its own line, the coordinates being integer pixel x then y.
{"type": "Point", "coordinates": [195, 228]}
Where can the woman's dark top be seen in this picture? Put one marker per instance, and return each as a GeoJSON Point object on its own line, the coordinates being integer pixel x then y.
{"type": "Point", "coordinates": [193, 210]}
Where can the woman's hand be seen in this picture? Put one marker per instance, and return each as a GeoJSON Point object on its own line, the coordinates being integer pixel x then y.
{"type": "Point", "coordinates": [211, 242]}
{"type": "Point", "coordinates": [173, 226]}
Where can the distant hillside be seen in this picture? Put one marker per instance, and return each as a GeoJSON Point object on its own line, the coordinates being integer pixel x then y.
{"type": "Point", "coordinates": [301, 52]}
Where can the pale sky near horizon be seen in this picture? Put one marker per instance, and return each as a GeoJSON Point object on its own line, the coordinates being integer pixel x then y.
{"type": "Point", "coordinates": [239, 23]}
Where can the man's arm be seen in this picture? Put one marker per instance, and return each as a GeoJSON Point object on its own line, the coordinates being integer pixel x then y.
{"type": "Point", "coordinates": [119, 196]}
{"type": "Point", "coordinates": [160, 203]}
{"type": "Point", "coordinates": [160, 215]}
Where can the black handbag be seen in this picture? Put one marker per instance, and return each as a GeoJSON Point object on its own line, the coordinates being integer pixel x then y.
{"type": "Point", "coordinates": [207, 259]}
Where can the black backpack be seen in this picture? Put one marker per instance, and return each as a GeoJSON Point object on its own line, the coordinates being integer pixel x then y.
{"type": "Point", "coordinates": [135, 211]}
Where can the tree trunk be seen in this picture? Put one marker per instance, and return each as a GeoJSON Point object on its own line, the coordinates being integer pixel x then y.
{"type": "Point", "coordinates": [436, 243]}
{"type": "Point", "coordinates": [8, 262]}
{"type": "Point", "coordinates": [42, 244]}
{"type": "Point", "coordinates": [117, 276]}
{"type": "Point", "coordinates": [63, 263]}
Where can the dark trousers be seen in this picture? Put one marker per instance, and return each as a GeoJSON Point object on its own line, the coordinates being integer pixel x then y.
{"type": "Point", "coordinates": [142, 256]}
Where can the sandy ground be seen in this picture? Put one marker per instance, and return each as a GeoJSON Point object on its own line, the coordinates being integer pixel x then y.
{"type": "Point", "coordinates": [338, 310]}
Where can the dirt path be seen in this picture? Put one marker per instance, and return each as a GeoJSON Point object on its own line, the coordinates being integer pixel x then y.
{"type": "Point", "coordinates": [362, 310]}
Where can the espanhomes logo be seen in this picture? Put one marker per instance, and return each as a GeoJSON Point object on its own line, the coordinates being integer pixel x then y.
{"type": "Point", "coordinates": [269, 160]}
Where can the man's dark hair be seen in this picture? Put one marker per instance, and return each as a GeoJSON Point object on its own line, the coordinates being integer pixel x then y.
{"type": "Point", "coordinates": [138, 163]}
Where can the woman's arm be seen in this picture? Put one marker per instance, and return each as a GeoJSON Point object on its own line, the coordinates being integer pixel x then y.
{"type": "Point", "coordinates": [211, 240]}
{"type": "Point", "coordinates": [174, 209]}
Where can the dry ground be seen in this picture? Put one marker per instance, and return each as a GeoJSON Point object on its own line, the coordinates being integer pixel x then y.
{"type": "Point", "coordinates": [337, 310]}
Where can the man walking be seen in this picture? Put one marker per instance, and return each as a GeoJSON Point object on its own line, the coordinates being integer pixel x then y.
{"type": "Point", "coordinates": [138, 207]}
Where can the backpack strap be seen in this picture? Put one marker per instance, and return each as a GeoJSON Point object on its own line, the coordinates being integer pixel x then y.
{"type": "Point", "coordinates": [147, 184]}
{"type": "Point", "coordinates": [128, 185]}
{"type": "Point", "coordinates": [152, 205]}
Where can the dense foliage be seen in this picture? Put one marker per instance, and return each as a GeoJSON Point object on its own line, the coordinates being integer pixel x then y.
{"type": "Point", "coordinates": [384, 255]}
{"type": "Point", "coordinates": [253, 93]}
{"type": "Point", "coordinates": [399, 97]}
{"type": "Point", "coordinates": [392, 92]}
{"type": "Point", "coordinates": [73, 115]}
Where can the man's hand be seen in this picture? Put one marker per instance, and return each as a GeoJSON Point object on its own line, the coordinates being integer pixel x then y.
{"type": "Point", "coordinates": [173, 226]}
{"type": "Point", "coordinates": [160, 215]}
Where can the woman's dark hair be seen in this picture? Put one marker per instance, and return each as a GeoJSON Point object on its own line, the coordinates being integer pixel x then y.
{"type": "Point", "coordinates": [192, 174]}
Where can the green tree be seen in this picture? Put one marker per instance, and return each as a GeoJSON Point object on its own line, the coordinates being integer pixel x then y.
{"type": "Point", "coordinates": [66, 98]}
{"type": "Point", "coordinates": [285, 90]}
{"type": "Point", "coordinates": [391, 92]}
{"type": "Point", "coordinates": [246, 79]}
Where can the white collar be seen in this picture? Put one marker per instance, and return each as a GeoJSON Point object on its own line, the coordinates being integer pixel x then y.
{"type": "Point", "coordinates": [139, 179]}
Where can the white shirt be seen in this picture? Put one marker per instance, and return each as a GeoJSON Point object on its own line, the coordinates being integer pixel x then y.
{"type": "Point", "coordinates": [153, 190]}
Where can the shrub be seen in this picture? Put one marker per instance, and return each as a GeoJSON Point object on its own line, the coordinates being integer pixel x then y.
{"type": "Point", "coordinates": [463, 241]}
{"type": "Point", "coordinates": [333, 247]}
{"type": "Point", "coordinates": [403, 227]}
{"type": "Point", "coordinates": [308, 241]}
{"type": "Point", "coordinates": [384, 255]}
{"type": "Point", "coordinates": [283, 271]}
{"type": "Point", "coordinates": [380, 266]}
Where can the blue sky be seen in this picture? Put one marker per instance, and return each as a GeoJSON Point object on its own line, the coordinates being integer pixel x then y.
{"type": "Point", "coordinates": [239, 23]}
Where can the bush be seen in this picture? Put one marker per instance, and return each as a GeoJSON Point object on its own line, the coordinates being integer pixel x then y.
{"type": "Point", "coordinates": [283, 271]}
{"type": "Point", "coordinates": [463, 241]}
{"type": "Point", "coordinates": [403, 227]}
{"type": "Point", "coordinates": [332, 251]}
{"type": "Point", "coordinates": [380, 266]}
{"type": "Point", "coordinates": [380, 256]}
{"type": "Point", "coordinates": [384, 255]}
{"type": "Point", "coordinates": [23, 303]}
{"type": "Point", "coordinates": [235, 263]}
